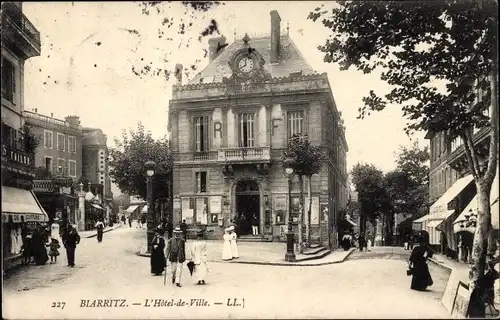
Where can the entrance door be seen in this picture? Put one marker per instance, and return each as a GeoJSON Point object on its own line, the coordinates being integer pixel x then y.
{"type": "Point", "coordinates": [247, 206]}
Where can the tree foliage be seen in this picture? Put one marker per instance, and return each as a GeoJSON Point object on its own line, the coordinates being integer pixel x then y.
{"type": "Point", "coordinates": [307, 157]}
{"type": "Point", "coordinates": [416, 45]}
{"type": "Point", "coordinates": [408, 185]}
{"type": "Point", "coordinates": [373, 198]}
{"type": "Point", "coordinates": [127, 161]}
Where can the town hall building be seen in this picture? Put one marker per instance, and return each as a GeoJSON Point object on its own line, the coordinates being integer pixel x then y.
{"type": "Point", "coordinates": [231, 123]}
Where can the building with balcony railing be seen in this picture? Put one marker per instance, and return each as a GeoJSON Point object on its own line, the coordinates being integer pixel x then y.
{"type": "Point", "coordinates": [21, 209]}
{"type": "Point", "coordinates": [229, 126]}
{"type": "Point", "coordinates": [60, 143]}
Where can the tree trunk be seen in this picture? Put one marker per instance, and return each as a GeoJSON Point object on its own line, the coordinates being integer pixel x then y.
{"type": "Point", "coordinates": [483, 226]}
{"type": "Point", "coordinates": [308, 226]}
{"type": "Point", "coordinates": [300, 243]}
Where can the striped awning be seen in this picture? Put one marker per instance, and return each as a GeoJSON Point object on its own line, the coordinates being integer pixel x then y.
{"type": "Point", "coordinates": [21, 205]}
{"type": "Point", "coordinates": [131, 209]}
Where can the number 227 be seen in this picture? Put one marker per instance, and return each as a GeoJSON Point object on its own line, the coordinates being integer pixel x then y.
{"type": "Point", "coordinates": [58, 305]}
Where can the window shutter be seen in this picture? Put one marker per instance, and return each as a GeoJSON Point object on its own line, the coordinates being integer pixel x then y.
{"type": "Point", "coordinates": [205, 134]}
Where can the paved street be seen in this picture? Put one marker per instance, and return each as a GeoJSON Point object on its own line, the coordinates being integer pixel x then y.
{"type": "Point", "coordinates": [360, 287]}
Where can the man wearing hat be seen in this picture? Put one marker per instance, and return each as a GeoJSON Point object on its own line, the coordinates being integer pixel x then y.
{"type": "Point", "coordinates": [176, 254]}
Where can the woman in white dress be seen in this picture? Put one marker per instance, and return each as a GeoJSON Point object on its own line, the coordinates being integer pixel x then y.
{"type": "Point", "coordinates": [226, 248]}
{"type": "Point", "coordinates": [369, 244]}
{"type": "Point", "coordinates": [234, 245]}
{"type": "Point", "coordinates": [55, 230]}
{"type": "Point", "coordinates": [199, 257]}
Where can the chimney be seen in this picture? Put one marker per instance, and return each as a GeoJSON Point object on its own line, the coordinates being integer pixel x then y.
{"type": "Point", "coordinates": [213, 45]}
{"type": "Point", "coordinates": [178, 73]}
{"type": "Point", "coordinates": [275, 36]}
{"type": "Point", "coordinates": [73, 121]}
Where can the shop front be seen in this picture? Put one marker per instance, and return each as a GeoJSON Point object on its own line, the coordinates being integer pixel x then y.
{"type": "Point", "coordinates": [21, 212]}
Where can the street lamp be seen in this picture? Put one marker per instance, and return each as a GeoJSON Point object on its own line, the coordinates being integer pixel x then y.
{"type": "Point", "coordinates": [150, 171]}
{"type": "Point", "coordinates": [289, 171]}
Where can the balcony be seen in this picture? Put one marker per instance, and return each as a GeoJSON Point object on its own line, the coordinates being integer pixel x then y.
{"type": "Point", "coordinates": [15, 159]}
{"type": "Point", "coordinates": [457, 158]}
{"type": "Point", "coordinates": [19, 33]}
{"type": "Point", "coordinates": [244, 155]}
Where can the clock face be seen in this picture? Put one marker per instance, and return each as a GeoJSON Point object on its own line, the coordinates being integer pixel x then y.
{"type": "Point", "coordinates": [246, 65]}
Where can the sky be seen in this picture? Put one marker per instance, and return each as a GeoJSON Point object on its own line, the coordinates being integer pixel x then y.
{"type": "Point", "coordinates": [89, 49]}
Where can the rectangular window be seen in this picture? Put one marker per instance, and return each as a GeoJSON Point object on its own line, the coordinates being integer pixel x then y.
{"type": "Point", "coordinates": [201, 182]}
{"type": "Point", "coordinates": [246, 130]}
{"type": "Point", "coordinates": [201, 134]}
{"type": "Point", "coordinates": [295, 123]}
{"type": "Point", "coordinates": [49, 164]}
{"type": "Point", "coordinates": [48, 138]}
{"type": "Point", "coordinates": [8, 80]}
{"type": "Point", "coordinates": [71, 144]}
{"type": "Point", "coordinates": [61, 142]}
{"type": "Point", "coordinates": [72, 168]}
{"type": "Point", "coordinates": [61, 166]}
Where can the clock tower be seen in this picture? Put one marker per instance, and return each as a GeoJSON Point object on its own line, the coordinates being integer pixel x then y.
{"type": "Point", "coordinates": [247, 66]}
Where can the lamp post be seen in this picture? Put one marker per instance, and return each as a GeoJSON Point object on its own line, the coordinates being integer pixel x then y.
{"type": "Point", "coordinates": [150, 171]}
{"type": "Point", "coordinates": [289, 171]}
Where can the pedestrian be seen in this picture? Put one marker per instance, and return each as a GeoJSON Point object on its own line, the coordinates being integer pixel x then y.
{"type": "Point", "coordinates": [346, 242]}
{"type": "Point", "coordinates": [123, 219]}
{"type": "Point", "coordinates": [100, 229]}
{"type": "Point", "coordinates": [406, 243]}
{"type": "Point", "coordinates": [158, 261]}
{"type": "Point", "coordinates": [170, 228]}
{"type": "Point", "coordinates": [369, 244]}
{"type": "Point", "coordinates": [27, 249]}
{"type": "Point", "coordinates": [70, 241]}
{"type": "Point", "coordinates": [176, 254]}
{"type": "Point", "coordinates": [226, 247]}
{"type": "Point", "coordinates": [53, 250]}
{"type": "Point", "coordinates": [234, 245]}
{"type": "Point", "coordinates": [483, 295]}
{"type": "Point", "coordinates": [130, 221]}
{"type": "Point", "coordinates": [255, 225]}
{"type": "Point", "coordinates": [421, 277]}
{"type": "Point", "coordinates": [361, 242]}
{"type": "Point", "coordinates": [38, 246]}
{"type": "Point", "coordinates": [183, 228]}
{"type": "Point", "coordinates": [143, 221]}
{"type": "Point", "coordinates": [55, 230]}
{"type": "Point", "coordinates": [199, 258]}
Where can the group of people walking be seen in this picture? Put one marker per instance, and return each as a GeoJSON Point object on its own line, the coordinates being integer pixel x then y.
{"type": "Point", "coordinates": [175, 255]}
{"type": "Point", "coordinates": [361, 242]}
{"type": "Point", "coordinates": [42, 243]}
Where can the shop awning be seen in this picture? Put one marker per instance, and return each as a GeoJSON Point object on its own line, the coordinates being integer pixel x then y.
{"type": "Point", "coordinates": [21, 205]}
{"type": "Point", "coordinates": [131, 209]}
{"type": "Point", "coordinates": [422, 219]}
{"type": "Point", "coordinates": [97, 206]}
{"type": "Point", "coordinates": [145, 209]}
{"type": "Point", "coordinates": [434, 223]}
{"type": "Point", "coordinates": [440, 207]}
{"type": "Point", "coordinates": [417, 224]}
{"type": "Point", "coordinates": [471, 207]}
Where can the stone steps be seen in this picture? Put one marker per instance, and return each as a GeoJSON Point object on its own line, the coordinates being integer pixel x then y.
{"type": "Point", "coordinates": [312, 254]}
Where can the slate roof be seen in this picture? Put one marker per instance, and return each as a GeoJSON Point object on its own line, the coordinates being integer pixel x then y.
{"type": "Point", "coordinates": [291, 61]}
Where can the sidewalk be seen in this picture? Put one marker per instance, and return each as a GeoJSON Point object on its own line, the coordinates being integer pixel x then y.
{"type": "Point", "coordinates": [93, 233]}
{"type": "Point", "coordinates": [263, 253]}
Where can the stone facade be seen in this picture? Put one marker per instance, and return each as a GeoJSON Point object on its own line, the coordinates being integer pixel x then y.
{"type": "Point", "coordinates": [229, 134]}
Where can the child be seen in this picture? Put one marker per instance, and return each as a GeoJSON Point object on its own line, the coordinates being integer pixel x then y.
{"type": "Point", "coordinates": [53, 252]}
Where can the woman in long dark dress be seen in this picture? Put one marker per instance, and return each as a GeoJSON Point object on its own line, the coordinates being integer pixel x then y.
{"type": "Point", "coordinates": [483, 294]}
{"type": "Point", "coordinates": [421, 277]}
{"type": "Point", "coordinates": [38, 246]}
{"type": "Point", "coordinates": [158, 260]}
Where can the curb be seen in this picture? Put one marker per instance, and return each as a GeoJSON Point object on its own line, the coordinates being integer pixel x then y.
{"type": "Point", "coordinates": [276, 264]}
{"type": "Point", "coordinates": [441, 265]}
{"type": "Point", "coordinates": [108, 230]}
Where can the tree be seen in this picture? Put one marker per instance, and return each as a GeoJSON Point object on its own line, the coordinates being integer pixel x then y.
{"type": "Point", "coordinates": [308, 160]}
{"type": "Point", "coordinates": [408, 185]}
{"type": "Point", "coordinates": [419, 46]}
{"type": "Point", "coordinates": [373, 198]}
{"type": "Point", "coordinates": [127, 161]}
